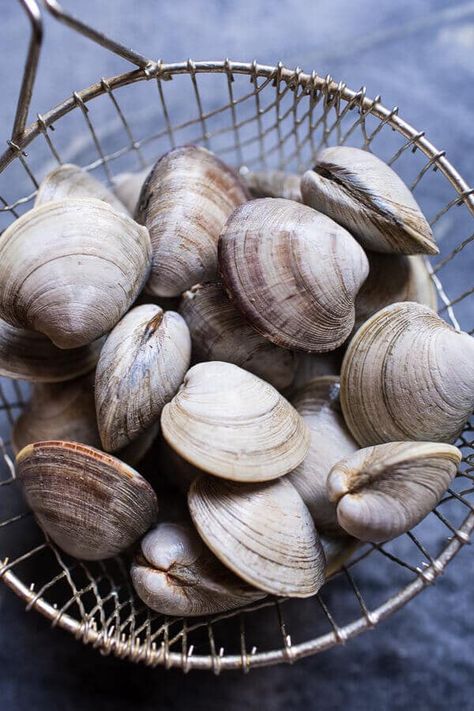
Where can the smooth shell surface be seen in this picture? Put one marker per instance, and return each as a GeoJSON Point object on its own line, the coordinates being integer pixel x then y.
{"type": "Point", "coordinates": [263, 532]}
{"type": "Point", "coordinates": [71, 269]}
{"type": "Point", "coordinates": [385, 490]}
{"type": "Point", "coordinates": [219, 332]}
{"type": "Point", "coordinates": [234, 425]}
{"type": "Point", "coordinates": [175, 574]}
{"type": "Point", "coordinates": [28, 355]}
{"type": "Point", "coordinates": [185, 202]}
{"type": "Point", "coordinates": [91, 504]}
{"type": "Point", "coordinates": [292, 272]}
{"type": "Point", "coordinates": [272, 183]}
{"type": "Point", "coordinates": [407, 375]}
{"type": "Point", "coordinates": [71, 181]}
{"type": "Point", "coordinates": [318, 404]}
{"type": "Point", "coordinates": [128, 186]}
{"type": "Point", "coordinates": [364, 195]}
{"type": "Point", "coordinates": [141, 366]}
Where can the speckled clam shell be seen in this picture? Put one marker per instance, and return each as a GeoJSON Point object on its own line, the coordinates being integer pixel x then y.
{"type": "Point", "coordinates": [383, 491]}
{"type": "Point", "coordinates": [71, 181]}
{"type": "Point", "coordinates": [407, 375]}
{"type": "Point", "coordinates": [219, 332]}
{"type": "Point", "coordinates": [141, 366]}
{"type": "Point", "coordinates": [263, 532]}
{"type": "Point", "coordinates": [175, 574]}
{"type": "Point", "coordinates": [234, 425]}
{"type": "Point", "coordinates": [90, 504]}
{"type": "Point", "coordinates": [292, 272]}
{"type": "Point", "coordinates": [128, 186]}
{"type": "Point", "coordinates": [184, 203]}
{"type": "Point", "coordinates": [71, 269]}
{"type": "Point", "coordinates": [364, 195]}
{"type": "Point", "coordinates": [272, 183]}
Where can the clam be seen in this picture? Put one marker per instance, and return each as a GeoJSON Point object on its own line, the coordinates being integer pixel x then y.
{"type": "Point", "coordinates": [383, 491]}
{"type": "Point", "coordinates": [90, 504]}
{"type": "Point", "coordinates": [71, 181]}
{"type": "Point", "coordinates": [394, 278]}
{"type": "Point", "coordinates": [364, 195]}
{"type": "Point", "coordinates": [316, 365]}
{"type": "Point", "coordinates": [28, 355]}
{"type": "Point", "coordinates": [263, 532]}
{"type": "Point", "coordinates": [185, 202]}
{"type": "Point", "coordinates": [141, 366]}
{"type": "Point", "coordinates": [318, 404]}
{"type": "Point", "coordinates": [71, 269]}
{"type": "Point", "coordinates": [219, 332]}
{"type": "Point", "coordinates": [407, 375]}
{"type": "Point", "coordinates": [175, 574]}
{"type": "Point", "coordinates": [234, 425]}
{"type": "Point", "coordinates": [128, 186]}
{"type": "Point", "coordinates": [337, 550]}
{"type": "Point", "coordinates": [272, 183]}
{"type": "Point", "coordinates": [292, 273]}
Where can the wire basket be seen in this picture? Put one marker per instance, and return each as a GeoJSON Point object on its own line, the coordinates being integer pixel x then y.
{"type": "Point", "coordinates": [255, 116]}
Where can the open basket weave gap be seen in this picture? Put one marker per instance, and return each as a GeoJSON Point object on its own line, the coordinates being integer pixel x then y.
{"type": "Point", "coordinates": [259, 117]}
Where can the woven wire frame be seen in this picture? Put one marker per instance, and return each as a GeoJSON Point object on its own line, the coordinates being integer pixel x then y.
{"type": "Point", "coordinates": [258, 117]}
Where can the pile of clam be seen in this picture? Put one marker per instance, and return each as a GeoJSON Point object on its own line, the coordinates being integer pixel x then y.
{"type": "Point", "coordinates": [269, 340]}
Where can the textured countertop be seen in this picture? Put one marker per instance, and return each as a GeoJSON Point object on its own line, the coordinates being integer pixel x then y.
{"type": "Point", "coordinates": [419, 56]}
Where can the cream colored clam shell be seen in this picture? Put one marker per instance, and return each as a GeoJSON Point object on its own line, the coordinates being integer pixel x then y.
{"type": "Point", "coordinates": [219, 332]}
{"type": "Point", "coordinates": [383, 491]}
{"type": "Point", "coordinates": [71, 181]}
{"type": "Point", "coordinates": [407, 375]}
{"type": "Point", "coordinates": [272, 183]}
{"type": "Point", "coordinates": [141, 366]}
{"type": "Point", "coordinates": [292, 272]}
{"type": "Point", "coordinates": [263, 532]}
{"type": "Point", "coordinates": [364, 195]}
{"type": "Point", "coordinates": [234, 425]}
{"type": "Point", "coordinates": [175, 574]}
{"type": "Point", "coordinates": [318, 404]}
{"type": "Point", "coordinates": [71, 269]}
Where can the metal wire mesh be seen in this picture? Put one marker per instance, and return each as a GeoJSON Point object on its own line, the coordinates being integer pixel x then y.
{"type": "Point", "coordinates": [257, 116]}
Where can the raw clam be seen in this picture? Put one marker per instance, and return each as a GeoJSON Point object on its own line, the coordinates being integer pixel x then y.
{"type": "Point", "coordinates": [28, 355]}
{"type": "Point", "coordinates": [90, 504]}
{"type": "Point", "coordinates": [364, 195]}
{"type": "Point", "coordinates": [71, 269]}
{"type": "Point", "coordinates": [70, 181]}
{"type": "Point", "coordinates": [175, 574]}
{"type": "Point", "coordinates": [128, 186]}
{"type": "Point", "coordinates": [292, 272]}
{"type": "Point", "coordinates": [385, 490]}
{"type": "Point", "coordinates": [263, 532]}
{"type": "Point", "coordinates": [407, 375]}
{"type": "Point", "coordinates": [219, 332]}
{"type": "Point", "coordinates": [230, 423]}
{"type": "Point", "coordinates": [318, 404]}
{"type": "Point", "coordinates": [272, 183]}
{"type": "Point", "coordinates": [141, 366]}
{"type": "Point", "coordinates": [185, 202]}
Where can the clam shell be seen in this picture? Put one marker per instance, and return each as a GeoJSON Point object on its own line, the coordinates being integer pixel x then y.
{"type": "Point", "coordinates": [71, 181]}
{"type": "Point", "coordinates": [230, 423]}
{"type": "Point", "coordinates": [407, 375]}
{"type": "Point", "coordinates": [141, 366]}
{"type": "Point", "coordinates": [318, 404]}
{"type": "Point", "coordinates": [337, 550]}
{"type": "Point", "coordinates": [316, 365]}
{"type": "Point", "coordinates": [263, 532]}
{"type": "Point", "coordinates": [90, 504]}
{"type": "Point", "coordinates": [219, 332]}
{"type": "Point", "coordinates": [364, 195]}
{"type": "Point", "coordinates": [175, 574]}
{"type": "Point", "coordinates": [71, 269]}
{"type": "Point", "coordinates": [272, 183]}
{"type": "Point", "coordinates": [185, 202]}
{"type": "Point", "coordinates": [383, 491]}
{"type": "Point", "coordinates": [292, 273]}
{"type": "Point", "coordinates": [128, 186]}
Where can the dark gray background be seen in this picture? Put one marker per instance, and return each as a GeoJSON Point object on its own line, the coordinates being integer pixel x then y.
{"type": "Point", "coordinates": [418, 55]}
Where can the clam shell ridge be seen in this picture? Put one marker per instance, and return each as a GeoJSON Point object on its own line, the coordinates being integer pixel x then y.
{"type": "Point", "coordinates": [234, 425]}
{"type": "Point", "coordinates": [219, 332]}
{"type": "Point", "coordinates": [383, 491]}
{"type": "Point", "coordinates": [362, 193]}
{"type": "Point", "coordinates": [263, 532]}
{"type": "Point", "coordinates": [407, 375]}
{"type": "Point", "coordinates": [71, 181]}
{"type": "Point", "coordinates": [141, 366]}
{"type": "Point", "coordinates": [70, 269]}
{"type": "Point", "coordinates": [91, 504]}
{"type": "Point", "coordinates": [292, 272]}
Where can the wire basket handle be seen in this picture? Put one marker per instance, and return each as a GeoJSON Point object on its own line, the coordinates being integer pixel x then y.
{"type": "Point", "coordinates": [32, 9]}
